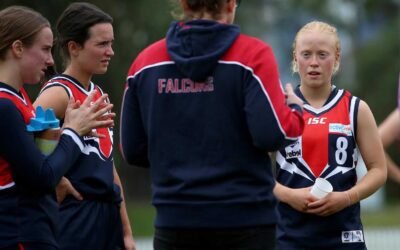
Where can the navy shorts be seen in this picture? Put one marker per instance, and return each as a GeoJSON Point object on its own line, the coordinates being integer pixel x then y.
{"type": "Point", "coordinates": [252, 238]}
{"type": "Point", "coordinates": [90, 224]}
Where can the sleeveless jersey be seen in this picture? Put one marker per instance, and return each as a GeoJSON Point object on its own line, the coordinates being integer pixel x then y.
{"type": "Point", "coordinates": [24, 105]}
{"type": "Point", "coordinates": [92, 175]}
{"type": "Point", "coordinates": [327, 149]}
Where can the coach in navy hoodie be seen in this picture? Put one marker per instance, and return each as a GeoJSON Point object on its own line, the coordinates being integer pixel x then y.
{"type": "Point", "coordinates": [202, 108]}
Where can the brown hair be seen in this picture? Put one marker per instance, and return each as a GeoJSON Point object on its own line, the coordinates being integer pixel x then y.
{"type": "Point", "coordinates": [197, 8]}
{"type": "Point", "coordinates": [75, 22]}
{"type": "Point", "coordinates": [19, 23]}
{"type": "Point", "coordinates": [322, 27]}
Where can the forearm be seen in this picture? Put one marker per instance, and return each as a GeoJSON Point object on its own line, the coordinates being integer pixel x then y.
{"type": "Point", "coordinates": [393, 169]}
{"type": "Point", "coordinates": [127, 230]}
{"type": "Point", "coordinates": [368, 185]}
{"type": "Point", "coordinates": [281, 192]}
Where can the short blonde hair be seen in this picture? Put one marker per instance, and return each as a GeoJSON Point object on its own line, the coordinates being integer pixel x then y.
{"type": "Point", "coordinates": [322, 27]}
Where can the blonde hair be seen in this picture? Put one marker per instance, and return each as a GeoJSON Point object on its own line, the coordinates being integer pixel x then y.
{"type": "Point", "coordinates": [322, 27]}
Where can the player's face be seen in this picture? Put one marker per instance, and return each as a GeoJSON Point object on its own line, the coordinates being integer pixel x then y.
{"type": "Point", "coordinates": [37, 58]}
{"type": "Point", "coordinates": [316, 57]}
{"type": "Point", "coordinates": [96, 53]}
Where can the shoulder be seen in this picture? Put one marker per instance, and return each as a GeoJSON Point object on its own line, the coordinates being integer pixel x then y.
{"type": "Point", "coordinates": [248, 44]}
{"type": "Point", "coordinates": [154, 54]}
{"type": "Point", "coordinates": [363, 108]}
{"type": "Point", "coordinates": [6, 104]}
{"type": "Point", "coordinates": [7, 109]}
{"type": "Point", "coordinates": [249, 51]}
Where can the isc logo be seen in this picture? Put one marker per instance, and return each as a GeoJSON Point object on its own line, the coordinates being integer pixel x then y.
{"type": "Point", "coordinates": [316, 120]}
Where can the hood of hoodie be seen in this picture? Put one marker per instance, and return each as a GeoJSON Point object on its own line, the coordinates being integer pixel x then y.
{"type": "Point", "coordinates": [196, 46]}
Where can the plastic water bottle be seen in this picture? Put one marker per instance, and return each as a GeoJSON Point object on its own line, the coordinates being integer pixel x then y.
{"type": "Point", "coordinates": [47, 130]}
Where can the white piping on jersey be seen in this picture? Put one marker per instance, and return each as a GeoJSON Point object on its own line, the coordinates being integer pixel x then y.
{"type": "Point", "coordinates": [265, 92]}
{"type": "Point", "coordinates": [327, 106]}
{"type": "Point", "coordinates": [150, 66]}
{"type": "Point", "coordinates": [14, 94]}
{"type": "Point", "coordinates": [57, 84]}
{"type": "Point", "coordinates": [352, 113]}
{"type": "Point", "coordinates": [228, 62]}
{"type": "Point", "coordinates": [339, 169]}
{"type": "Point", "coordinates": [87, 92]}
{"type": "Point", "coordinates": [85, 149]}
{"type": "Point", "coordinates": [11, 184]}
{"type": "Point", "coordinates": [324, 169]}
{"type": "Point", "coordinates": [290, 167]}
{"type": "Point", "coordinates": [74, 138]}
{"type": "Point", "coordinates": [120, 124]}
{"type": "Point", "coordinates": [352, 122]}
{"type": "Point", "coordinates": [90, 149]}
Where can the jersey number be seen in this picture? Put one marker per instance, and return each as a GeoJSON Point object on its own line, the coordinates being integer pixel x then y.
{"type": "Point", "coordinates": [341, 153]}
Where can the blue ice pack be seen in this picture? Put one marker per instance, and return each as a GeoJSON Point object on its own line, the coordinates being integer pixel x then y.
{"type": "Point", "coordinates": [45, 119]}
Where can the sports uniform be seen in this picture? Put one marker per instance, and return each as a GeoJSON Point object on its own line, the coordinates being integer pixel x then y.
{"type": "Point", "coordinates": [28, 211]}
{"type": "Point", "coordinates": [327, 149]}
{"type": "Point", "coordinates": [201, 108]}
{"type": "Point", "coordinates": [93, 223]}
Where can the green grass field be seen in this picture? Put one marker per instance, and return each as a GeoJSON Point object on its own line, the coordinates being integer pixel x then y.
{"type": "Point", "coordinates": [387, 217]}
{"type": "Point", "coordinates": [142, 216]}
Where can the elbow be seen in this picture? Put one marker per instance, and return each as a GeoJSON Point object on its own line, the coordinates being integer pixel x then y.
{"type": "Point", "coordinates": [36, 185]}
{"type": "Point", "coordinates": [138, 159]}
{"type": "Point", "coordinates": [134, 152]}
{"type": "Point", "coordinates": [273, 143]}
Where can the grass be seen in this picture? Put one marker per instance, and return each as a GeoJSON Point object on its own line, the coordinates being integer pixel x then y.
{"type": "Point", "coordinates": [141, 216]}
{"type": "Point", "coordinates": [387, 217]}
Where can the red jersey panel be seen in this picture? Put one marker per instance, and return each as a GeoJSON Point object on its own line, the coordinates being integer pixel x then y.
{"type": "Point", "coordinates": [79, 93]}
{"type": "Point", "coordinates": [326, 132]}
{"type": "Point", "coordinates": [24, 105]}
{"type": "Point", "coordinates": [328, 145]}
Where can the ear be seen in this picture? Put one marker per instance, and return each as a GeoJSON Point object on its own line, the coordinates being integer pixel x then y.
{"type": "Point", "coordinates": [294, 56]}
{"type": "Point", "coordinates": [17, 48]}
{"type": "Point", "coordinates": [337, 57]}
{"type": "Point", "coordinates": [295, 66]}
{"type": "Point", "coordinates": [184, 5]}
{"type": "Point", "coordinates": [231, 6]}
{"type": "Point", "coordinates": [73, 48]}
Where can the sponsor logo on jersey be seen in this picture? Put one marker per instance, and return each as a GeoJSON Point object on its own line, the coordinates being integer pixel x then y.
{"type": "Point", "coordinates": [338, 128]}
{"type": "Point", "coordinates": [293, 150]}
{"type": "Point", "coordinates": [354, 236]}
{"type": "Point", "coordinates": [316, 120]}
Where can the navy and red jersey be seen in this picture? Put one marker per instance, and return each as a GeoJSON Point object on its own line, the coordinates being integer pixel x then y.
{"type": "Point", "coordinates": [28, 211]}
{"type": "Point", "coordinates": [92, 175]}
{"type": "Point", "coordinates": [202, 107]}
{"type": "Point", "coordinates": [327, 149]}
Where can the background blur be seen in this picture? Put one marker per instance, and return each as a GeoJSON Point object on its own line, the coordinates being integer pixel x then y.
{"type": "Point", "coordinates": [369, 31]}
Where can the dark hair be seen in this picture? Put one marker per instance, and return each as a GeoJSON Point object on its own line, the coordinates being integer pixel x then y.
{"type": "Point", "coordinates": [19, 23]}
{"type": "Point", "coordinates": [75, 22]}
{"type": "Point", "coordinates": [199, 6]}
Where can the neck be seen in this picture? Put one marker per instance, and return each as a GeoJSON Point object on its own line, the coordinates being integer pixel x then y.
{"type": "Point", "coordinates": [316, 97]}
{"type": "Point", "coordinates": [80, 75]}
{"type": "Point", "coordinates": [10, 75]}
{"type": "Point", "coordinates": [222, 19]}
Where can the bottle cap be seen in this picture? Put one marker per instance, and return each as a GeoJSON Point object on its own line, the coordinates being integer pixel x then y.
{"type": "Point", "coordinates": [45, 119]}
